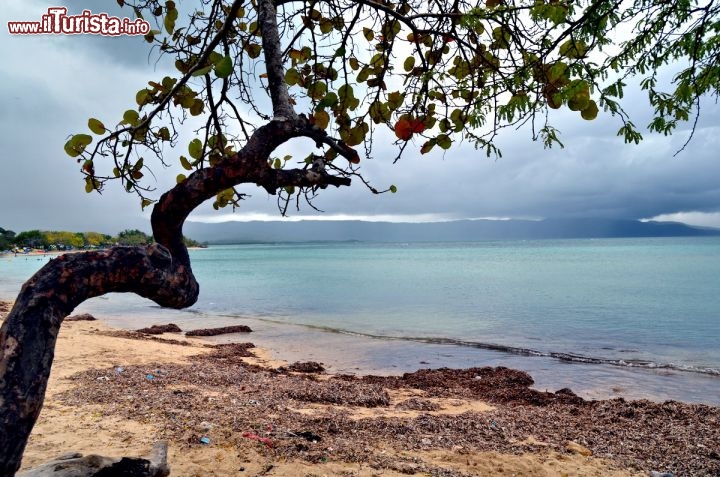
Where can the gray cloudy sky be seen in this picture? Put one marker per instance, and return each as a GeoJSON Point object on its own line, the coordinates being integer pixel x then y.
{"type": "Point", "coordinates": [51, 85]}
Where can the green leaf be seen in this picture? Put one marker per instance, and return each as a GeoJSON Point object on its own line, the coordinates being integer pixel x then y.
{"type": "Point", "coordinates": [202, 71]}
{"type": "Point", "coordinates": [214, 57]}
{"type": "Point", "coordinates": [292, 77]}
{"type": "Point", "coordinates": [169, 23]}
{"type": "Point", "coordinates": [557, 72]}
{"type": "Point", "coordinates": [379, 112]}
{"type": "Point", "coordinates": [180, 178]}
{"type": "Point", "coordinates": [197, 107]}
{"type": "Point", "coordinates": [395, 100]}
{"type": "Point", "coordinates": [145, 203]}
{"type": "Point", "coordinates": [502, 38]}
{"type": "Point", "coordinates": [253, 50]}
{"type": "Point", "coordinates": [321, 119]}
{"type": "Point", "coordinates": [368, 33]}
{"type": "Point", "coordinates": [329, 100]}
{"type": "Point", "coordinates": [357, 134]}
{"type": "Point", "coordinates": [590, 112]}
{"type": "Point", "coordinates": [185, 163]}
{"type": "Point", "coordinates": [131, 117]}
{"type": "Point", "coordinates": [573, 49]}
{"type": "Point", "coordinates": [96, 126]}
{"type": "Point", "coordinates": [143, 97]}
{"type": "Point", "coordinates": [427, 147]}
{"type": "Point", "coordinates": [345, 93]}
{"type": "Point", "coordinates": [579, 101]}
{"type": "Point", "coordinates": [364, 74]}
{"type": "Point", "coordinates": [409, 63]}
{"type": "Point", "coordinates": [224, 67]}
{"type": "Point", "coordinates": [76, 145]}
{"type": "Point", "coordinates": [393, 189]}
{"type": "Point", "coordinates": [326, 25]}
{"type": "Point", "coordinates": [89, 185]}
{"type": "Point", "coordinates": [195, 148]}
{"type": "Point", "coordinates": [444, 141]}
{"type": "Point", "coordinates": [163, 133]}
{"type": "Point", "coordinates": [317, 90]}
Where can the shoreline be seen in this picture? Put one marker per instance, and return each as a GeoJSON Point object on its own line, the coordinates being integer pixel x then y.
{"type": "Point", "coordinates": [349, 353]}
{"type": "Point", "coordinates": [481, 421]}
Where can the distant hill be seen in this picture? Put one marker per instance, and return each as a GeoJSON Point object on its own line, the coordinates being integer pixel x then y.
{"type": "Point", "coordinates": [455, 231]}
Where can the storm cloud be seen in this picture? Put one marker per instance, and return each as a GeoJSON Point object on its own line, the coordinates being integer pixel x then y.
{"type": "Point", "coordinates": [52, 84]}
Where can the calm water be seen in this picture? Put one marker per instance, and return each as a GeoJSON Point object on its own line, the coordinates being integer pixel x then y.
{"type": "Point", "coordinates": [630, 317]}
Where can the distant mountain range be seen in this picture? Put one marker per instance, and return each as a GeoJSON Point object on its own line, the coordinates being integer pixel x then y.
{"type": "Point", "coordinates": [455, 231]}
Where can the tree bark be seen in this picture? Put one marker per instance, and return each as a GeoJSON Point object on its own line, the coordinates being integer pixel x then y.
{"type": "Point", "coordinates": [29, 333]}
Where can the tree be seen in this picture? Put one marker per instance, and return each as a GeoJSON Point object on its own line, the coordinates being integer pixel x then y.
{"type": "Point", "coordinates": [32, 239]}
{"type": "Point", "coordinates": [7, 237]}
{"type": "Point", "coordinates": [133, 237]}
{"type": "Point", "coordinates": [261, 73]}
{"type": "Point", "coordinates": [95, 239]}
{"type": "Point", "coordinates": [64, 239]}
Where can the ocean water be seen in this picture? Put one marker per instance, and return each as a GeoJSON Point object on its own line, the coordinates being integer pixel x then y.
{"type": "Point", "coordinates": [609, 317]}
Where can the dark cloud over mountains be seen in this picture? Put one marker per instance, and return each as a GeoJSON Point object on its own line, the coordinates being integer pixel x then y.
{"type": "Point", "coordinates": [52, 84]}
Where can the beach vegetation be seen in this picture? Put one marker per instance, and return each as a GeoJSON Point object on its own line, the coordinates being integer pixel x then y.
{"type": "Point", "coordinates": [31, 239]}
{"type": "Point", "coordinates": [133, 237]}
{"type": "Point", "coordinates": [257, 75]}
{"type": "Point", "coordinates": [65, 240]}
{"type": "Point", "coordinates": [7, 238]}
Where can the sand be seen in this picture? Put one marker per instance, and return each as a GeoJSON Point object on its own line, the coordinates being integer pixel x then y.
{"type": "Point", "coordinates": [261, 419]}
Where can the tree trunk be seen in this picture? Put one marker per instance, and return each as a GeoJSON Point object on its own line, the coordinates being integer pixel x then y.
{"type": "Point", "coordinates": [29, 333]}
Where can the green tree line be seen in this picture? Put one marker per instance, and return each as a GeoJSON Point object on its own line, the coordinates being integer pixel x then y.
{"type": "Point", "coordinates": [64, 240]}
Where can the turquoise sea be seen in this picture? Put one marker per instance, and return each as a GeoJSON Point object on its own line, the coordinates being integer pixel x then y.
{"type": "Point", "coordinates": [608, 317]}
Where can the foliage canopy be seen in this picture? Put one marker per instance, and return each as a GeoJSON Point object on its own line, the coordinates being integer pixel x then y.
{"type": "Point", "coordinates": [433, 72]}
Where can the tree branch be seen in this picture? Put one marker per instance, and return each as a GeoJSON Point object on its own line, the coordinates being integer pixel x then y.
{"type": "Point", "coordinates": [282, 108]}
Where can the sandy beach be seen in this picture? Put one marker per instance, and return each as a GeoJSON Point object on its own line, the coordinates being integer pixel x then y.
{"type": "Point", "coordinates": [230, 410]}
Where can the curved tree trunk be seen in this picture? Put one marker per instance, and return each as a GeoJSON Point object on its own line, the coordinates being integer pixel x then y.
{"type": "Point", "coordinates": [160, 272]}
{"type": "Point", "coordinates": [29, 333]}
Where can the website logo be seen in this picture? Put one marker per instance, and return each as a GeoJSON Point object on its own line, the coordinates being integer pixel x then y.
{"type": "Point", "coordinates": [58, 22]}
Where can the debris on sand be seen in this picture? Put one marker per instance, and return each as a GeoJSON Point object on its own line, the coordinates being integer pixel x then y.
{"type": "Point", "coordinates": [83, 317]}
{"type": "Point", "coordinates": [219, 331]}
{"type": "Point", "coordinates": [246, 401]}
{"type": "Point", "coordinates": [304, 367]}
{"type": "Point", "coordinates": [160, 329]}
